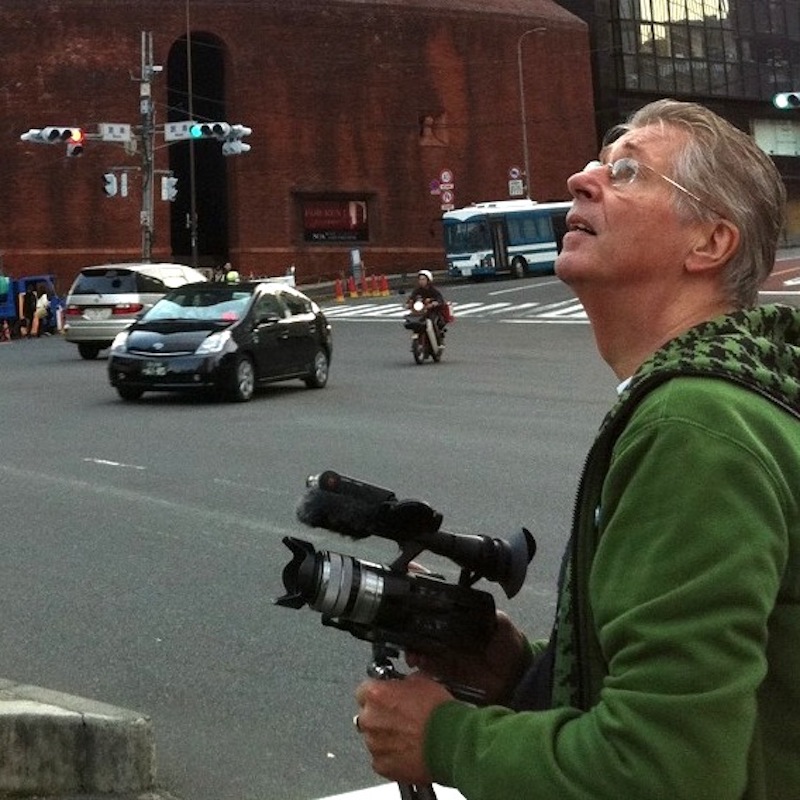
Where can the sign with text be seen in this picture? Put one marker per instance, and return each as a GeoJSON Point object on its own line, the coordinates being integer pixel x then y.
{"type": "Point", "coordinates": [335, 220]}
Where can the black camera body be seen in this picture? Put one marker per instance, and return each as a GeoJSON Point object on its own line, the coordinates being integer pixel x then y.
{"type": "Point", "coordinates": [407, 610]}
{"type": "Point", "coordinates": [397, 605]}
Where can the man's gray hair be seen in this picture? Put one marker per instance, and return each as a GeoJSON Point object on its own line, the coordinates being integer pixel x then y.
{"type": "Point", "coordinates": [726, 168]}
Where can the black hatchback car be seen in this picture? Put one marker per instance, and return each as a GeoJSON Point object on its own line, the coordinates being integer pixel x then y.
{"type": "Point", "coordinates": [224, 338]}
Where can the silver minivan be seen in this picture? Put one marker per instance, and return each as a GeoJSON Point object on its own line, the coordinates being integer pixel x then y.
{"type": "Point", "coordinates": [103, 300]}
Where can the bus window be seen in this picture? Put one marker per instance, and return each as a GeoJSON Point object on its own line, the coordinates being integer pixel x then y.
{"type": "Point", "coordinates": [528, 228]}
{"type": "Point", "coordinates": [466, 237]}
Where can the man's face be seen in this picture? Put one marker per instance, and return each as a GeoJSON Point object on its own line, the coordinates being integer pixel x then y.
{"type": "Point", "coordinates": [629, 235]}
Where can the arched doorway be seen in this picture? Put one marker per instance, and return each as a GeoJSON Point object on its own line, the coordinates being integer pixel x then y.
{"type": "Point", "coordinates": [196, 90]}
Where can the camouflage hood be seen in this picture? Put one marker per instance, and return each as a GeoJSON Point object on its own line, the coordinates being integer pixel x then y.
{"type": "Point", "coordinates": [758, 348]}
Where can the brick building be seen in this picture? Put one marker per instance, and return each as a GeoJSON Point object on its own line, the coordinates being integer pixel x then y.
{"type": "Point", "coordinates": [359, 109]}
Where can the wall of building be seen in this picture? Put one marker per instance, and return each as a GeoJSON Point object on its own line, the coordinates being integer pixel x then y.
{"type": "Point", "coordinates": [336, 94]}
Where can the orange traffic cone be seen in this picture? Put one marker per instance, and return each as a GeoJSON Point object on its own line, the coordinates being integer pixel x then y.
{"type": "Point", "coordinates": [384, 286]}
{"type": "Point", "coordinates": [339, 291]}
{"type": "Point", "coordinates": [351, 286]}
{"type": "Point", "coordinates": [371, 292]}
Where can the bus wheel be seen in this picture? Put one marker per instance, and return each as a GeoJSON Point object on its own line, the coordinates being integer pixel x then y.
{"type": "Point", "coordinates": [519, 267]}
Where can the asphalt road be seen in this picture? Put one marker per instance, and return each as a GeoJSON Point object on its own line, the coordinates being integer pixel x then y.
{"type": "Point", "coordinates": [142, 542]}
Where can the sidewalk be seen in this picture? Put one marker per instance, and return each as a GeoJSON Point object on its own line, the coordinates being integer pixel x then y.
{"type": "Point", "coordinates": [60, 744]}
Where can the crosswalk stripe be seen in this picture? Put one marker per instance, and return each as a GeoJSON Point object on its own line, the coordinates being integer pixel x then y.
{"type": "Point", "coordinates": [460, 311]}
{"type": "Point", "coordinates": [566, 311]}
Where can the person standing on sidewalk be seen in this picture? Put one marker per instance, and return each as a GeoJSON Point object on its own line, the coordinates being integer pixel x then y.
{"type": "Point", "coordinates": [672, 668]}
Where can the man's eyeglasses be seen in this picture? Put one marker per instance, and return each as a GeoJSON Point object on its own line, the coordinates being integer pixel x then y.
{"type": "Point", "coordinates": [625, 170]}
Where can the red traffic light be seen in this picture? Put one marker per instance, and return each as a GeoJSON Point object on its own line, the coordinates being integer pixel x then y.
{"type": "Point", "coordinates": [75, 142]}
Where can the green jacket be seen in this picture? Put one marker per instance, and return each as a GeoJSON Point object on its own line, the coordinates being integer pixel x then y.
{"type": "Point", "coordinates": [677, 646]}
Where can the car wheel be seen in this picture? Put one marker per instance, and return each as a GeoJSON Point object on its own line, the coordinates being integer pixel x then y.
{"type": "Point", "coordinates": [518, 267]}
{"type": "Point", "coordinates": [129, 392]}
{"type": "Point", "coordinates": [243, 381]}
{"type": "Point", "coordinates": [89, 351]}
{"type": "Point", "coordinates": [318, 376]}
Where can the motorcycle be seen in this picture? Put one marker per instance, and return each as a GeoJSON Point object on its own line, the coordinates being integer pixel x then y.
{"type": "Point", "coordinates": [427, 337]}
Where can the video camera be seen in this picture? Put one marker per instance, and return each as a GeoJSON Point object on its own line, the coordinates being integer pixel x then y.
{"type": "Point", "coordinates": [396, 606]}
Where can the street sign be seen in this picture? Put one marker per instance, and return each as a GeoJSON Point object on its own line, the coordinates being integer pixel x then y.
{"type": "Point", "coordinates": [115, 132]}
{"type": "Point", "coordinates": [516, 188]}
{"type": "Point", "coordinates": [176, 131]}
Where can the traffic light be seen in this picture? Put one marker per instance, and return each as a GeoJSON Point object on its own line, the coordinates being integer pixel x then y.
{"type": "Point", "coordinates": [57, 134]}
{"type": "Point", "coordinates": [110, 184]}
{"type": "Point", "coordinates": [233, 144]}
{"type": "Point", "coordinates": [210, 130]}
{"type": "Point", "coordinates": [53, 134]}
{"type": "Point", "coordinates": [75, 142]}
{"type": "Point", "coordinates": [786, 100]}
{"type": "Point", "coordinates": [169, 188]}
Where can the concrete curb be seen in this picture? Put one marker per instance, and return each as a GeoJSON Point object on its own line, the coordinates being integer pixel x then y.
{"type": "Point", "coordinates": [59, 744]}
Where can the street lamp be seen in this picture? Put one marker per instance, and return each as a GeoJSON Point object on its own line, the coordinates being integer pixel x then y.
{"type": "Point", "coordinates": [522, 108]}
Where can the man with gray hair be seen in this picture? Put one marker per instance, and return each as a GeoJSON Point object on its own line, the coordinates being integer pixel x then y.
{"type": "Point", "coordinates": [672, 669]}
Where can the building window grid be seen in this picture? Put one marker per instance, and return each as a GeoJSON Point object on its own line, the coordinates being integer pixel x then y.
{"type": "Point", "coordinates": [699, 47]}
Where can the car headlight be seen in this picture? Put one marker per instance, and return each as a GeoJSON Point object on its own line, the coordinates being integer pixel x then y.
{"type": "Point", "coordinates": [120, 343]}
{"type": "Point", "coordinates": [215, 343]}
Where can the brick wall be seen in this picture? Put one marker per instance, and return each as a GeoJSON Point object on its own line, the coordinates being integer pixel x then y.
{"type": "Point", "coordinates": [335, 93]}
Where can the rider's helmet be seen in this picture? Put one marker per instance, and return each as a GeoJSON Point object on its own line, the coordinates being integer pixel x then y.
{"type": "Point", "coordinates": [232, 276]}
{"type": "Point", "coordinates": [426, 273]}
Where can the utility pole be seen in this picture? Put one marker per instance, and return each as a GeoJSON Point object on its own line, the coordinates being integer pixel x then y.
{"type": "Point", "coordinates": [192, 220]}
{"type": "Point", "coordinates": [147, 111]}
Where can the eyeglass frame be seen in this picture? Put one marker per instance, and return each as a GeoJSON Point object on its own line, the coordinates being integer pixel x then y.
{"type": "Point", "coordinates": [636, 165]}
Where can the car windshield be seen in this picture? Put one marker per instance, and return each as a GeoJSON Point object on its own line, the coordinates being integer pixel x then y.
{"type": "Point", "coordinates": [211, 306]}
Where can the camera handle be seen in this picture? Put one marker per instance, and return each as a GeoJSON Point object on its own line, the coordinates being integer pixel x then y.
{"type": "Point", "coordinates": [383, 668]}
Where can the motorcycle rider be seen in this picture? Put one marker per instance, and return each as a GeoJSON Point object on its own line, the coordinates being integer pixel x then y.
{"type": "Point", "coordinates": [433, 299]}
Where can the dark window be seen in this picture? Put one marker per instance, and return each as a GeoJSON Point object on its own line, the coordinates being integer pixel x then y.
{"type": "Point", "coordinates": [109, 281]}
{"type": "Point", "coordinates": [147, 283]}
{"type": "Point", "coordinates": [528, 228]}
{"type": "Point", "coordinates": [295, 304]}
{"type": "Point", "coordinates": [269, 305]}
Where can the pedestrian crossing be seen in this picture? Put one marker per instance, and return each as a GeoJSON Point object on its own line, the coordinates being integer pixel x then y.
{"type": "Point", "coordinates": [564, 311]}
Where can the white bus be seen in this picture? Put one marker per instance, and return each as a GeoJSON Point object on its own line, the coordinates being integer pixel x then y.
{"type": "Point", "coordinates": [521, 237]}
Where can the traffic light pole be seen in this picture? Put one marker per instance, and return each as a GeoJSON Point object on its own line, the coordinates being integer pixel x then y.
{"type": "Point", "coordinates": [147, 111]}
{"type": "Point", "coordinates": [191, 222]}
{"type": "Point", "coordinates": [229, 135]}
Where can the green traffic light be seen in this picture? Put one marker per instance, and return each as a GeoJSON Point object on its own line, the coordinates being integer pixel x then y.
{"type": "Point", "coordinates": [196, 132]}
{"type": "Point", "coordinates": [785, 100]}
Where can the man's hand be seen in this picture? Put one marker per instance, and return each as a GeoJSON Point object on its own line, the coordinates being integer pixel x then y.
{"type": "Point", "coordinates": [496, 671]}
{"type": "Point", "coordinates": [392, 717]}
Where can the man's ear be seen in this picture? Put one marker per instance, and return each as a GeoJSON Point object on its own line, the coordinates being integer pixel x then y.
{"type": "Point", "coordinates": [716, 243]}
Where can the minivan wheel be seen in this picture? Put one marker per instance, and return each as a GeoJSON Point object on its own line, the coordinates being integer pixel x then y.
{"type": "Point", "coordinates": [242, 383]}
{"type": "Point", "coordinates": [318, 376]}
{"type": "Point", "coordinates": [89, 351]}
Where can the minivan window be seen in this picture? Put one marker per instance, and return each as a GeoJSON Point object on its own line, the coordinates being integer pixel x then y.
{"type": "Point", "coordinates": [148, 284]}
{"type": "Point", "coordinates": [109, 281]}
